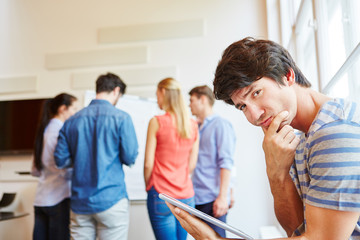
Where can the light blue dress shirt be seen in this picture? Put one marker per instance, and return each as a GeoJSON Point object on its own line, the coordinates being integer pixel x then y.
{"type": "Point", "coordinates": [216, 151]}
{"type": "Point", "coordinates": [97, 141]}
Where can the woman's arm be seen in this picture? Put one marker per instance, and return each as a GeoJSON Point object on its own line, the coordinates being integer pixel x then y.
{"type": "Point", "coordinates": [150, 149]}
{"type": "Point", "coordinates": [194, 154]}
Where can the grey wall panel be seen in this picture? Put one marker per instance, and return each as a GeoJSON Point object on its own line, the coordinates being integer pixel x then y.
{"type": "Point", "coordinates": [140, 77]}
{"type": "Point", "coordinates": [18, 84]}
{"type": "Point", "coordinates": [153, 31]}
{"type": "Point", "coordinates": [118, 56]}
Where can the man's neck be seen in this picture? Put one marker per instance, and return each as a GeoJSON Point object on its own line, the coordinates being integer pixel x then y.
{"type": "Point", "coordinates": [309, 103]}
{"type": "Point", "coordinates": [207, 112]}
{"type": "Point", "coordinates": [105, 96]}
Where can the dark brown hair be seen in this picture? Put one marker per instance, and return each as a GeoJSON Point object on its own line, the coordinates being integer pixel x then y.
{"type": "Point", "coordinates": [249, 60]}
{"type": "Point", "coordinates": [50, 109]}
{"type": "Point", "coordinates": [108, 82]}
{"type": "Point", "coordinates": [203, 91]}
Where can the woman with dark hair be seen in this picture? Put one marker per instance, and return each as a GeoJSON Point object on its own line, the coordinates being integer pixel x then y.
{"type": "Point", "coordinates": [52, 200]}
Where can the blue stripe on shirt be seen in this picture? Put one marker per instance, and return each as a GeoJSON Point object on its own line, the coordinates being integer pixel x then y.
{"type": "Point", "coordinates": [336, 164]}
{"type": "Point", "coordinates": [300, 161]}
{"type": "Point", "coordinates": [300, 151]}
{"type": "Point", "coordinates": [319, 122]}
{"type": "Point", "coordinates": [336, 150]}
{"type": "Point", "coordinates": [331, 137]}
{"type": "Point", "coordinates": [305, 184]}
{"type": "Point", "coordinates": [338, 105]}
{"type": "Point", "coordinates": [297, 232]}
{"type": "Point", "coordinates": [302, 172]}
{"type": "Point", "coordinates": [339, 123]}
{"type": "Point", "coordinates": [333, 203]}
{"type": "Point", "coordinates": [336, 178]}
{"type": "Point", "coordinates": [329, 113]}
{"type": "Point", "coordinates": [336, 190]}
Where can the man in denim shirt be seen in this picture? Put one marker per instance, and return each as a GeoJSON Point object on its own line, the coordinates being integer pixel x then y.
{"type": "Point", "coordinates": [96, 142]}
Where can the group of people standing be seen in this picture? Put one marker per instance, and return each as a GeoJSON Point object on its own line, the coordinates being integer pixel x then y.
{"type": "Point", "coordinates": [79, 160]}
{"type": "Point", "coordinates": [314, 177]}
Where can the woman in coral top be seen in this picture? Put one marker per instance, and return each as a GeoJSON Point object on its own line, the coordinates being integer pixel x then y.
{"type": "Point", "coordinates": [171, 152]}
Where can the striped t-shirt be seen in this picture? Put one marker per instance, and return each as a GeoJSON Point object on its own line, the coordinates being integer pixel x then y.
{"type": "Point", "coordinates": [326, 170]}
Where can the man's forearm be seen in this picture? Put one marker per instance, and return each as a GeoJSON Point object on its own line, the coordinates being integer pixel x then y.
{"type": "Point", "coordinates": [225, 175]}
{"type": "Point", "coordinates": [287, 204]}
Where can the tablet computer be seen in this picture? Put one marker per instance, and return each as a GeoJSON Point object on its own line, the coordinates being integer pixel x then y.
{"type": "Point", "coordinates": [203, 216]}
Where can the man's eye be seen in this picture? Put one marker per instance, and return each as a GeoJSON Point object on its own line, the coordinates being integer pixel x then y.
{"type": "Point", "coordinates": [256, 93]}
{"type": "Point", "coordinates": [242, 107]}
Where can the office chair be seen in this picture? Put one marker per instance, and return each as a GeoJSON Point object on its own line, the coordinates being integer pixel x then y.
{"type": "Point", "coordinates": [7, 199]}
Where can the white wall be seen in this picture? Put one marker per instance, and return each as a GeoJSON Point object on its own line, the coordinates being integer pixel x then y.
{"type": "Point", "coordinates": [31, 30]}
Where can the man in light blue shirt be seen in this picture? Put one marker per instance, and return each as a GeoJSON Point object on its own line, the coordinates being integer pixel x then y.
{"type": "Point", "coordinates": [211, 177]}
{"type": "Point", "coordinates": [96, 142]}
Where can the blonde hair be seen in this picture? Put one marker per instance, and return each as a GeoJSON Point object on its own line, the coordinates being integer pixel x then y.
{"type": "Point", "coordinates": [173, 102]}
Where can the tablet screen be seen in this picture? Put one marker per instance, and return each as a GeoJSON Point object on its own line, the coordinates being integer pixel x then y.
{"type": "Point", "coordinates": [203, 216]}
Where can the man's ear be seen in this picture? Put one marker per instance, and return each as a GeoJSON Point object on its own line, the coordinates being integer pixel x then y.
{"type": "Point", "coordinates": [116, 90]}
{"type": "Point", "coordinates": [203, 99]}
{"type": "Point", "coordinates": [290, 77]}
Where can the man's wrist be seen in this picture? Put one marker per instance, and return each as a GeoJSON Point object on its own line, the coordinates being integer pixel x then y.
{"type": "Point", "coordinates": [222, 196]}
{"type": "Point", "coordinates": [277, 177]}
{"type": "Point", "coordinates": [280, 183]}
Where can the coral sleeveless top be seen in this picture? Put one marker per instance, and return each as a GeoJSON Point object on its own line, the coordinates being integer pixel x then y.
{"type": "Point", "coordinates": [170, 174]}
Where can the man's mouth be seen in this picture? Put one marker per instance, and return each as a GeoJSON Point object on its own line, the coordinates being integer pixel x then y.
{"type": "Point", "coordinates": [266, 123]}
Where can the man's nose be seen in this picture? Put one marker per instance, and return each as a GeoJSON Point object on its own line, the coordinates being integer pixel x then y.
{"type": "Point", "coordinates": [255, 114]}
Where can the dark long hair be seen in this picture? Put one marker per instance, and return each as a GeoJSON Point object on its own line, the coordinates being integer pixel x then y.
{"type": "Point", "coordinates": [49, 110]}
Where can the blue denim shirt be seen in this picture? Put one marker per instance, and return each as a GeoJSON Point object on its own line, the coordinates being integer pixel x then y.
{"type": "Point", "coordinates": [96, 142]}
{"type": "Point", "coordinates": [216, 151]}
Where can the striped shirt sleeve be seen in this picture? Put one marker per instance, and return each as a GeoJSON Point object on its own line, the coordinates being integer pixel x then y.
{"type": "Point", "coordinates": [334, 166]}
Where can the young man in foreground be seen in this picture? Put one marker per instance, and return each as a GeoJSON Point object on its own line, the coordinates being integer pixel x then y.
{"type": "Point", "coordinates": [314, 178]}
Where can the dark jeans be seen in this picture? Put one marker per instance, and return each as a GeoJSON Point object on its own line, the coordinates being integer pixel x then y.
{"type": "Point", "coordinates": [52, 223]}
{"type": "Point", "coordinates": [208, 209]}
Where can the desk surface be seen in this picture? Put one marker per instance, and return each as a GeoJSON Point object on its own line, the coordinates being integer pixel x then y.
{"type": "Point", "coordinates": [11, 215]}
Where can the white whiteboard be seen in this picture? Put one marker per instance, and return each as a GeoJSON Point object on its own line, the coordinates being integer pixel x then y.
{"type": "Point", "coordinates": [141, 111]}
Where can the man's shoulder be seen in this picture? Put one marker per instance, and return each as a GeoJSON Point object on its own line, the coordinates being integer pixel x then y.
{"type": "Point", "coordinates": [340, 109]}
{"type": "Point", "coordinates": [334, 115]}
{"type": "Point", "coordinates": [120, 113]}
{"type": "Point", "coordinates": [103, 110]}
{"type": "Point", "coordinates": [335, 127]}
{"type": "Point", "coordinates": [220, 121]}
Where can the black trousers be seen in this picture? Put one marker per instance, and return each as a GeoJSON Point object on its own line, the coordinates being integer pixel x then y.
{"type": "Point", "coordinates": [52, 223]}
{"type": "Point", "coordinates": [208, 209]}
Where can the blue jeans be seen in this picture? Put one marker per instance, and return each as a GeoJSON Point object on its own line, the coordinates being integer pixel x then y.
{"type": "Point", "coordinates": [52, 222]}
{"type": "Point", "coordinates": [208, 209]}
{"type": "Point", "coordinates": [163, 222]}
